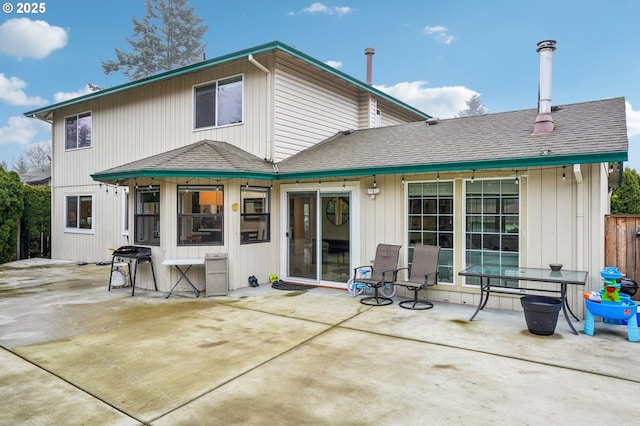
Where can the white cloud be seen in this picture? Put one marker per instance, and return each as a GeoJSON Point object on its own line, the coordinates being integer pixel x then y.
{"type": "Point", "coordinates": [439, 33]}
{"type": "Point", "coordinates": [63, 96]}
{"type": "Point", "coordinates": [335, 64]}
{"type": "Point", "coordinates": [440, 102]}
{"type": "Point", "coordinates": [22, 130]}
{"type": "Point", "coordinates": [343, 10]}
{"type": "Point", "coordinates": [317, 8]}
{"type": "Point", "coordinates": [11, 92]}
{"type": "Point", "coordinates": [24, 38]}
{"type": "Point", "coordinates": [435, 29]}
{"type": "Point", "coordinates": [633, 121]}
{"type": "Point", "coordinates": [321, 8]}
{"type": "Point", "coordinates": [633, 133]}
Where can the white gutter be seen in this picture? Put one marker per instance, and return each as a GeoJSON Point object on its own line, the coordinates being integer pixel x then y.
{"type": "Point", "coordinates": [577, 173]}
{"type": "Point", "coordinates": [579, 218]}
{"type": "Point", "coordinates": [258, 64]}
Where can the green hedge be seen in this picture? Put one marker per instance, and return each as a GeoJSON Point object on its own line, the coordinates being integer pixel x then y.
{"type": "Point", "coordinates": [37, 215]}
{"type": "Point", "coordinates": [11, 208]}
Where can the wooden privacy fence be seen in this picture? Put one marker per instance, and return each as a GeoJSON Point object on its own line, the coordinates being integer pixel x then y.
{"type": "Point", "coordinates": [622, 243]}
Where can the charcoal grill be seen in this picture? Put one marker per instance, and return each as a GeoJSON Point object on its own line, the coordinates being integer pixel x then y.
{"type": "Point", "coordinates": [133, 255]}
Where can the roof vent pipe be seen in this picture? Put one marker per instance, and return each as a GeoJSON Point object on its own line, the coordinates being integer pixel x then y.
{"type": "Point", "coordinates": [544, 121]}
{"type": "Point", "coordinates": [369, 52]}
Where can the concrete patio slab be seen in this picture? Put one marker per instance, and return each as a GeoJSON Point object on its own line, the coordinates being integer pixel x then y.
{"type": "Point", "coordinates": [264, 356]}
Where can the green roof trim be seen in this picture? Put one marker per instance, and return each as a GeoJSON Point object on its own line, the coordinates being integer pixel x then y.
{"type": "Point", "coordinates": [104, 177]}
{"type": "Point", "coordinates": [510, 163]}
{"type": "Point", "coordinates": [275, 45]}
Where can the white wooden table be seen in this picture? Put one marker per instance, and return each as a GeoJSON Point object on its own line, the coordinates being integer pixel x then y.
{"type": "Point", "coordinates": [179, 264]}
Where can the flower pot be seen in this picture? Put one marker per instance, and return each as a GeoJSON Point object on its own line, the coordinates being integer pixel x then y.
{"type": "Point", "coordinates": [541, 314]}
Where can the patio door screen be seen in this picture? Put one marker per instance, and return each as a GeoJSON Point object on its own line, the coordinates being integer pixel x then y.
{"type": "Point", "coordinates": [319, 235]}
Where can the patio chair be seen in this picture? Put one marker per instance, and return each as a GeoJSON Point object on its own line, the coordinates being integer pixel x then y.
{"type": "Point", "coordinates": [424, 265]}
{"type": "Point", "coordinates": [383, 272]}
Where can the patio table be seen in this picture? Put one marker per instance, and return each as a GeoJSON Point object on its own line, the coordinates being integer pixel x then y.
{"type": "Point", "coordinates": [177, 263]}
{"type": "Point", "coordinates": [542, 275]}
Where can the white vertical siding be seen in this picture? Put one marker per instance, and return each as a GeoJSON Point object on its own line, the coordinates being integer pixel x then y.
{"type": "Point", "coordinates": [128, 126]}
{"type": "Point", "coordinates": [561, 221]}
{"type": "Point", "coordinates": [313, 106]}
{"type": "Point", "coordinates": [310, 107]}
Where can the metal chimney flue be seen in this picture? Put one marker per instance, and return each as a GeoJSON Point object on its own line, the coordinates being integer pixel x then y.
{"type": "Point", "coordinates": [369, 52]}
{"type": "Point", "coordinates": [544, 121]}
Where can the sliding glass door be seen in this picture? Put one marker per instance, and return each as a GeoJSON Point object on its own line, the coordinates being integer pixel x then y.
{"type": "Point", "coordinates": [319, 235]}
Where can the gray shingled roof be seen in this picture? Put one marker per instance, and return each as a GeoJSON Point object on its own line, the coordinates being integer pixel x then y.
{"type": "Point", "coordinates": [589, 132]}
{"type": "Point", "coordinates": [38, 176]}
{"type": "Point", "coordinates": [201, 159]}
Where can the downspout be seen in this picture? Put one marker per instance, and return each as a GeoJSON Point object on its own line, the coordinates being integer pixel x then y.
{"type": "Point", "coordinates": [577, 173]}
{"type": "Point", "coordinates": [270, 146]}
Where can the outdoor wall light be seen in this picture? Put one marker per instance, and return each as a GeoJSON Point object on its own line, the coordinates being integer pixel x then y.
{"type": "Point", "coordinates": [373, 192]}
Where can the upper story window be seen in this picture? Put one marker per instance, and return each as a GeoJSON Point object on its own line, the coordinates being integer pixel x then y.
{"type": "Point", "coordinates": [255, 216]}
{"type": "Point", "coordinates": [200, 215]}
{"type": "Point", "coordinates": [147, 216]}
{"type": "Point", "coordinates": [78, 213]}
{"type": "Point", "coordinates": [77, 131]}
{"type": "Point", "coordinates": [218, 103]}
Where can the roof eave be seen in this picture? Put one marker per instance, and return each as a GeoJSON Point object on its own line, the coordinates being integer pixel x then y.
{"type": "Point", "coordinates": [508, 163]}
{"type": "Point", "coordinates": [151, 173]}
{"type": "Point", "coordinates": [42, 113]}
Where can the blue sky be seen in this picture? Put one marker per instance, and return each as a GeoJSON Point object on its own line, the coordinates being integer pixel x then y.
{"type": "Point", "coordinates": [433, 55]}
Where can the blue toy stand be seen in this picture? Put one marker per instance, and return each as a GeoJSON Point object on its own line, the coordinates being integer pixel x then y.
{"type": "Point", "coordinates": [614, 311]}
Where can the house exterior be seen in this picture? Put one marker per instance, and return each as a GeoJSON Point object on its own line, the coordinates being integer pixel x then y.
{"type": "Point", "coordinates": [291, 167]}
{"type": "Point", "coordinates": [258, 107]}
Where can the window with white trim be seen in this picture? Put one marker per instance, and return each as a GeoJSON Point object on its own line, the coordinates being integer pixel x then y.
{"type": "Point", "coordinates": [492, 223]}
{"type": "Point", "coordinates": [77, 131]}
{"type": "Point", "coordinates": [218, 103]}
{"type": "Point", "coordinates": [78, 215]}
{"type": "Point", "coordinates": [430, 222]}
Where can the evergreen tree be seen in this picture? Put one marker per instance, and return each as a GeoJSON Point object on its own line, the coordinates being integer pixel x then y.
{"type": "Point", "coordinates": [21, 166]}
{"type": "Point", "coordinates": [626, 199]}
{"type": "Point", "coordinates": [168, 37]}
{"type": "Point", "coordinates": [474, 107]}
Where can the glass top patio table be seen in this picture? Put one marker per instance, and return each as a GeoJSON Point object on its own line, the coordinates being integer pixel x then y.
{"type": "Point", "coordinates": [542, 275]}
{"type": "Point", "coordinates": [526, 274]}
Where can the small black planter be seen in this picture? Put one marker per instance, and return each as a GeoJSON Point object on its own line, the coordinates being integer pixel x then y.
{"type": "Point", "coordinates": [541, 313]}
